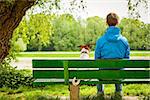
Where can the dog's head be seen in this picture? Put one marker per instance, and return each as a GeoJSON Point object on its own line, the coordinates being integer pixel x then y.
{"type": "Point", "coordinates": [85, 48]}
{"type": "Point", "coordinates": [85, 51]}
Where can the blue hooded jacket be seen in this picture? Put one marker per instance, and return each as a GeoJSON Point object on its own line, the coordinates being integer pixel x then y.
{"type": "Point", "coordinates": [112, 45]}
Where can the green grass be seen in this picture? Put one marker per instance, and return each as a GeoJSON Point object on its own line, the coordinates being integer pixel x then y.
{"type": "Point", "coordinates": [49, 55]}
{"type": "Point", "coordinates": [72, 54]}
{"type": "Point", "coordinates": [140, 54]}
{"type": "Point", "coordinates": [29, 93]}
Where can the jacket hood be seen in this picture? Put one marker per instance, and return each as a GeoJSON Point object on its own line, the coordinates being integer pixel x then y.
{"type": "Point", "coordinates": [112, 34]}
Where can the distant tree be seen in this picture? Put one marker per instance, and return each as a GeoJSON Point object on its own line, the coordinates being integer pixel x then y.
{"type": "Point", "coordinates": [69, 33]}
{"type": "Point", "coordinates": [136, 32]}
{"type": "Point", "coordinates": [94, 29]}
{"type": "Point", "coordinates": [66, 34]}
{"type": "Point", "coordinates": [39, 31]}
{"type": "Point", "coordinates": [35, 30]}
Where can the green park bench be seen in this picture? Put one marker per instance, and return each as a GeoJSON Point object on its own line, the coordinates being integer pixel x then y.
{"type": "Point", "coordinates": [48, 72]}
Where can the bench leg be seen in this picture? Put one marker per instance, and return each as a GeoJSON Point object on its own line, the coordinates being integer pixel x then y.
{"type": "Point", "coordinates": [74, 92]}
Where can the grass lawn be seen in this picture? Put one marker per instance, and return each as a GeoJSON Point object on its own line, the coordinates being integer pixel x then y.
{"type": "Point", "coordinates": [29, 93]}
{"type": "Point", "coordinates": [73, 54]}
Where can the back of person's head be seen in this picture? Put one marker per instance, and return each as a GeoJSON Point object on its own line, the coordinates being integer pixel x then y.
{"type": "Point", "coordinates": [112, 19]}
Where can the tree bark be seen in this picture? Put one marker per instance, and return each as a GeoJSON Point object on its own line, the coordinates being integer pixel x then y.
{"type": "Point", "coordinates": [10, 16]}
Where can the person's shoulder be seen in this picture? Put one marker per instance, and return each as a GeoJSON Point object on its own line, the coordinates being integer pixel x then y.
{"type": "Point", "coordinates": [100, 39]}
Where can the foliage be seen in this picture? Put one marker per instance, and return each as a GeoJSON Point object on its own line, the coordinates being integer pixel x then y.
{"type": "Point", "coordinates": [69, 33]}
{"type": "Point", "coordinates": [20, 39]}
{"type": "Point", "coordinates": [19, 45]}
{"type": "Point", "coordinates": [12, 78]}
{"type": "Point", "coordinates": [95, 28]}
{"type": "Point", "coordinates": [59, 6]}
{"type": "Point", "coordinates": [66, 35]}
{"type": "Point", "coordinates": [64, 32]}
{"type": "Point", "coordinates": [137, 33]}
{"type": "Point", "coordinates": [35, 30]}
{"type": "Point", "coordinates": [39, 31]}
{"type": "Point", "coordinates": [42, 30]}
{"type": "Point", "coordinates": [134, 8]}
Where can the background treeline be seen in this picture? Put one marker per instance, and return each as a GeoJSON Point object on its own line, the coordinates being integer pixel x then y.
{"type": "Point", "coordinates": [65, 33]}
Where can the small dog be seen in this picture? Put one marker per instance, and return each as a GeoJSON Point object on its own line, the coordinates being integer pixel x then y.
{"type": "Point", "coordinates": [85, 51]}
{"type": "Point", "coordinates": [85, 54]}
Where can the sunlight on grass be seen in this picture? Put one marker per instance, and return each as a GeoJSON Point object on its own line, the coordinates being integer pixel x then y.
{"type": "Point", "coordinates": [72, 54]}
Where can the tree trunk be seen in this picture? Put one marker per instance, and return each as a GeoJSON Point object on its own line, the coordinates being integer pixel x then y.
{"type": "Point", "coordinates": [11, 13]}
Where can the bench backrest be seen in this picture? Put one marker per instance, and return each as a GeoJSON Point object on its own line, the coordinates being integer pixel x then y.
{"type": "Point", "coordinates": [60, 71]}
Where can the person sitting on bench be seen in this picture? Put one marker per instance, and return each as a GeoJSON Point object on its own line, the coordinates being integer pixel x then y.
{"type": "Point", "coordinates": [112, 45]}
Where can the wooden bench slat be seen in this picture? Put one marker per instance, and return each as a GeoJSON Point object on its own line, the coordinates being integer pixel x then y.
{"type": "Point", "coordinates": [109, 64]}
{"type": "Point", "coordinates": [113, 82]}
{"type": "Point", "coordinates": [102, 74]}
{"type": "Point", "coordinates": [82, 82]}
{"type": "Point", "coordinates": [110, 74]}
{"type": "Point", "coordinates": [48, 74]}
{"type": "Point", "coordinates": [47, 63]}
{"type": "Point", "coordinates": [92, 63]}
{"type": "Point", "coordinates": [46, 83]}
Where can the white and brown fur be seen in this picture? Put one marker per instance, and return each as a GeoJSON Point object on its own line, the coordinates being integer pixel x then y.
{"type": "Point", "coordinates": [85, 51]}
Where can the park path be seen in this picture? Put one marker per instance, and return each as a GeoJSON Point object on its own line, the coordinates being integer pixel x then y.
{"type": "Point", "coordinates": [26, 63]}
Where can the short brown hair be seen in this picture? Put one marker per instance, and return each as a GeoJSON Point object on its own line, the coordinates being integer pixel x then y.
{"type": "Point", "coordinates": [112, 19]}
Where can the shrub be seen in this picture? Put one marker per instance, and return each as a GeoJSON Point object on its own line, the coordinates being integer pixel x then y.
{"type": "Point", "coordinates": [12, 78]}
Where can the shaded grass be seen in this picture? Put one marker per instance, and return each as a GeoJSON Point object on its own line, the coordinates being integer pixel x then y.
{"type": "Point", "coordinates": [53, 92]}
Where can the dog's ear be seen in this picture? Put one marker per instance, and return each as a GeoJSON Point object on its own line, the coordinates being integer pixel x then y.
{"type": "Point", "coordinates": [87, 47]}
{"type": "Point", "coordinates": [80, 46]}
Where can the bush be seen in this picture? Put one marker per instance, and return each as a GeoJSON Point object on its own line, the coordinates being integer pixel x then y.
{"type": "Point", "coordinates": [12, 78]}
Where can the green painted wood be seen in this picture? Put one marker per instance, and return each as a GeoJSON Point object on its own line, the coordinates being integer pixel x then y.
{"type": "Point", "coordinates": [110, 74]}
{"type": "Point", "coordinates": [113, 82]}
{"type": "Point", "coordinates": [109, 64]}
{"type": "Point", "coordinates": [47, 63]}
{"type": "Point", "coordinates": [94, 74]}
{"type": "Point", "coordinates": [93, 82]}
{"type": "Point", "coordinates": [66, 72]}
{"type": "Point", "coordinates": [106, 75]}
{"type": "Point", "coordinates": [92, 63]}
{"type": "Point", "coordinates": [48, 74]}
